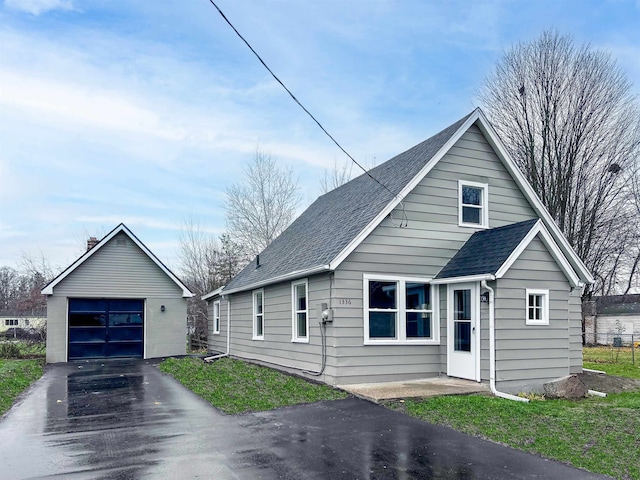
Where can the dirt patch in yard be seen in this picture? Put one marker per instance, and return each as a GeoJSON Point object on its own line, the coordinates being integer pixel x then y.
{"type": "Point", "coordinates": [609, 383]}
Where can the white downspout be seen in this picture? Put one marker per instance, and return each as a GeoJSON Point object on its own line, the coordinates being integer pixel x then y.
{"type": "Point", "coordinates": [226, 354]}
{"type": "Point", "coordinates": [492, 349]}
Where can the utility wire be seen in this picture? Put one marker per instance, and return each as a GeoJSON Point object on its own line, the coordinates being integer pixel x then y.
{"type": "Point", "coordinates": [302, 106]}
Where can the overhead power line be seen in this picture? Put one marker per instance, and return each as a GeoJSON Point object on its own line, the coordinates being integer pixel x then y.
{"type": "Point", "coordinates": [300, 104]}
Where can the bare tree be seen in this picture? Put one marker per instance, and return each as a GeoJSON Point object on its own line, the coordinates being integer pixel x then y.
{"type": "Point", "coordinates": [568, 117]}
{"type": "Point", "coordinates": [206, 263]}
{"type": "Point", "coordinates": [336, 176]}
{"type": "Point", "coordinates": [263, 205]}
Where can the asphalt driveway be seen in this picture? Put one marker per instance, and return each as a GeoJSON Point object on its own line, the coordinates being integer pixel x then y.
{"type": "Point", "coordinates": [127, 420]}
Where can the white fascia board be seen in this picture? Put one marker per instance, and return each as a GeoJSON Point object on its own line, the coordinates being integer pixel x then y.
{"type": "Point", "coordinates": [405, 191]}
{"type": "Point", "coordinates": [281, 278]}
{"type": "Point", "coordinates": [465, 279]}
{"type": "Point", "coordinates": [533, 198]}
{"type": "Point", "coordinates": [48, 289]}
{"type": "Point", "coordinates": [540, 229]}
{"type": "Point", "coordinates": [212, 294]}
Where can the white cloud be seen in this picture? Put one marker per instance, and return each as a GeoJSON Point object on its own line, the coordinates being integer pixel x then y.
{"type": "Point", "coordinates": [36, 7]}
{"type": "Point", "coordinates": [98, 107]}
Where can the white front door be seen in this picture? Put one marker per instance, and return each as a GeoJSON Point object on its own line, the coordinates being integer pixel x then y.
{"type": "Point", "coordinates": [462, 333]}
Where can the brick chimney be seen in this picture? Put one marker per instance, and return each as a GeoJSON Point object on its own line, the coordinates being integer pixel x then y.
{"type": "Point", "coordinates": [92, 242]}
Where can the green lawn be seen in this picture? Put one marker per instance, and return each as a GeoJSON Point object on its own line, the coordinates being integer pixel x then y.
{"type": "Point", "coordinates": [15, 377]}
{"type": "Point", "coordinates": [614, 361]}
{"type": "Point", "coordinates": [235, 386]}
{"type": "Point", "coordinates": [598, 434]}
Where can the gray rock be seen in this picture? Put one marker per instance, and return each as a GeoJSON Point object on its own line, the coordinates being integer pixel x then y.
{"type": "Point", "coordinates": [566, 387]}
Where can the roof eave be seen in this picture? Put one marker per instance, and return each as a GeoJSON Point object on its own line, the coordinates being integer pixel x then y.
{"type": "Point", "coordinates": [281, 278]}
{"type": "Point", "coordinates": [464, 279]}
{"type": "Point", "coordinates": [212, 294]}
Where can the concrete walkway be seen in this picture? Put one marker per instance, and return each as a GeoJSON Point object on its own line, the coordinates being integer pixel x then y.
{"type": "Point", "coordinates": [125, 420]}
{"type": "Point", "coordinates": [429, 387]}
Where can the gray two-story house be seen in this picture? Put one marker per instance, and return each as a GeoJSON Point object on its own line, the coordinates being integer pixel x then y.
{"type": "Point", "coordinates": [442, 261]}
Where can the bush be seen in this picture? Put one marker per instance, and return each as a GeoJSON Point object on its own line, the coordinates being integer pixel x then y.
{"type": "Point", "coordinates": [9, 350]}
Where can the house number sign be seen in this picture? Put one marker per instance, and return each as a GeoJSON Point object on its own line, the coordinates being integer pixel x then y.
{"type": "Point", "coordinates": [344, 301]}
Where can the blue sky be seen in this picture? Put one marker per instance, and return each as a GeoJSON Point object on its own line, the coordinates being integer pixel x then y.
{"type": "Point", "coordinates": [144, 112]}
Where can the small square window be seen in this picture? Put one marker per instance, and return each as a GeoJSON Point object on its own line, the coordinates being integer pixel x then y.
{"type": "Point", "coordinates": [473, 204]}
{"type": "Point", "coordinates": [537, 307]}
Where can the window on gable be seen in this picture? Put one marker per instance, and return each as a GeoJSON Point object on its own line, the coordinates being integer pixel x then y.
{"type": "Point", "coordinates": [300, 309]}
{"type": "Point", "coordinates": [537, 308]}
{"type": "Point", "coordinates": [258, 315]}
{"type": "Point", "coordinates": [398, 311]}
{"type": "Point", "coordinates": [216, 317]}
{"type": "Point", "coordinates": [473, 204]}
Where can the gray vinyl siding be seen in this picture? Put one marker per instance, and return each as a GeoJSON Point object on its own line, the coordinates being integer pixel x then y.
{"type": "Point", "coordinates": [56, 329]}
{"type": "Point", "coordinates": [217, 342]}
{"type": "Point", "coordinates": [529, 355]}
{"type": "Point", "coordinates": [420, 249]}
{"type": "Point", "coordinates": [277, 347]}
{"type": "Point", "coordinates": [120, 269]}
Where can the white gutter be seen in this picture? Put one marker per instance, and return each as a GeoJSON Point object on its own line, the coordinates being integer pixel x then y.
{"type": "Point", "coordinates": [226, 354]}
{"type": "Point", "coordinates": [492, 350]}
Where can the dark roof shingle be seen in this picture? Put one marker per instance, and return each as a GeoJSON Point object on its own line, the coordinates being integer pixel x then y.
{"type": "Point", "coordinates": [330, 223]}
{"type": "Point", "coordinates": [486, 251]}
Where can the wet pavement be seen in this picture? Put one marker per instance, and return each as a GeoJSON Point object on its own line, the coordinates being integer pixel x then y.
{"type": "Point", "coordinates": [126, 420]}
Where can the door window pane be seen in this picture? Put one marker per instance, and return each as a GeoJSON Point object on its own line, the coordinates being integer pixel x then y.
{"type": "Point", "coordinates": [87, 305]}
{"type": "Point", "coordinates": [87, 320]}
{"type": "Point", "coordinates": [121, 319]}
{"type": "Point", "coordinates": [126, 305]}
{"type": "Point", "coordinates": [462, 304]}
{"type": "Point", "coordinates": [462, 336]}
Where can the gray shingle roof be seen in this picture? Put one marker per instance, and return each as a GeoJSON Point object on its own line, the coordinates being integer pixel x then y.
{"type": "Point", "coordinates": [330, 223]}
{"type": "Point", "coordinates": [486, 251]}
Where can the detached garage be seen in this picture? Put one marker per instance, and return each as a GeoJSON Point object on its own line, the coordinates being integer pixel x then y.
{"type": "Point", "coordinates": [116, 301]}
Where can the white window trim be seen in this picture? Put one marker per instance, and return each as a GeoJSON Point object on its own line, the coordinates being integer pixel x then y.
{"type": "Point", "coordinates": [294, 313]}
{"type": "Point", "coordinates": [545, 306]}
{"type": "Point", "coordinates": [255, 314]}
{"type": "Point", "coordinates": [400, 310]}
{"type": "Point", "coordinates": [484, 213]}
{"type": "Point", "coordinates": [216, 317]}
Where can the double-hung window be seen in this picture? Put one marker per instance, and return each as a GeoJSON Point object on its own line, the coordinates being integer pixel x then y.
{"type": "Point", "coordinates": [399, 310]}
{"type": "Point", "coordinates": [258, 315]}
{"type": "Point", "coordinates": [300, 310]}
{"type": "Point", "coordinates": [216, 317]}
{"type": "Point", "coordinates": [537, 307]}
{"type": "Point", "coordinates": [473, 204]}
